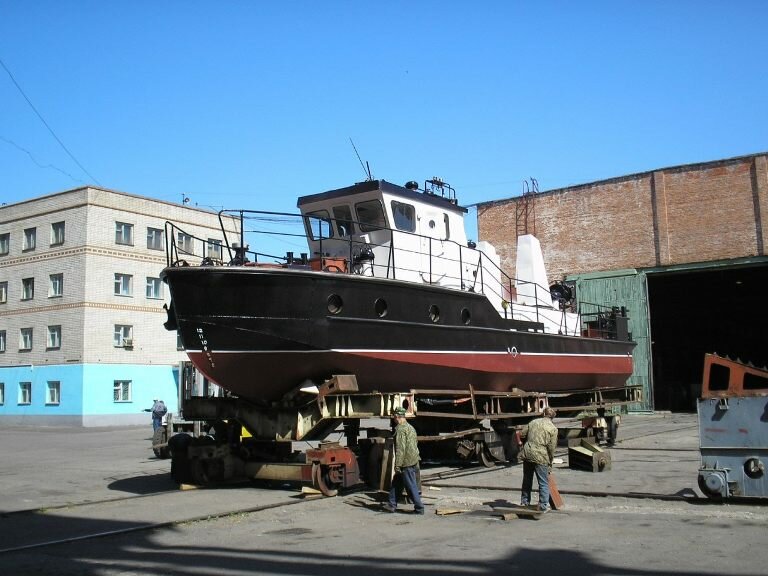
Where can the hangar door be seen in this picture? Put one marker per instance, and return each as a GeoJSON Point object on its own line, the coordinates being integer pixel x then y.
{"type": "Point", "coordinates": [628, 289]}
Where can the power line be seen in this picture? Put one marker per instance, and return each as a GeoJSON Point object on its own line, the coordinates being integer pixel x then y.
{"type": "Point", "coordinates": [32, 157]}
{"type": "Point", "coordinates": [46, 123]}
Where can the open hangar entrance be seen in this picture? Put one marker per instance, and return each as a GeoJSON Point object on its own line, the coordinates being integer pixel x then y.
{"type": "Point", "coordinates": [717, 309]}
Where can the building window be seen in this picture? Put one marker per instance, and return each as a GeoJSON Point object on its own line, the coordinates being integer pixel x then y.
{"type": "Point", "coordinates": [123, 336]}
{"type": "Point", "coordinates": [25, 339]}
{"type": "Point", "coordinates": [214, 248]}
{"type": "Point", "coordinates": [3, 292]}
{"type": "Point", "coordinates": [27, 288]}
{"type": "Point", "coordinates": [122, 391]}
{"type": "Point", "coordinates": [154, 288]}
{"type": "Point", "coordinates": [5, 243]}
{"type": "Point", "coordinates": [185, 243]}
{"type": "Point", "coordinates": [123, 233]}
{"type": "Point", "coordinates": [123, 285]}
{"type": "Point", "coordinates": [56, 286]}
{"type": "Point", "coordinates": [54, 337]}
{"type": "Point", "coordinates": [57, 233]}
{"type": "Point", "coordinates": [2, 340]}
{"type": "Point", "coordinates": [30, 239]}
{"type": "Point", "coordinates": [2, 393]}
{"type": "Point", "coordinates": [25, 392]}
{"type": "Point", "coordinates": [53, 393]}
{"type": "Point", "coordinates": [155, 239]}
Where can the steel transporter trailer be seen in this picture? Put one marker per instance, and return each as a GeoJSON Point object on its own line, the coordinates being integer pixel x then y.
{"type": "Point", "coordinates": [225, 438]}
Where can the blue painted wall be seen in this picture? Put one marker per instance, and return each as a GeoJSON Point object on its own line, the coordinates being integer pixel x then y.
{"type": "Point", "coordinates": [87, 393]}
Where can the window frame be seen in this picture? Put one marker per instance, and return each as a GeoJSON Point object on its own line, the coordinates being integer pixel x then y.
{"type": "Point", "coordinates": [364, 222]}
{"type": "Point", "coordinates": [185, 243]}
{"type": "Point", "coordinates": [29, 242]}
{"type": "Point", "coordinates": [3, 341]}
{"type": "Point", "coordinates": [213, 248]}
{"type": "Point", "coordinates": [53, 341]}
{"type": "Point", "coordinates": [121, 228]}
{"type": "Point", "coordinates": [27, 289]}
{"type": "Point", "coordinates": [4, 292]}
{"type": "Point", "coordinates": [152, 240]}
{"type": "Point", "coordinates": [55, 241]}
{"type": "Point", "coordinates": [323, 219]}
{"type": "Point", "coordinates": [23, 341]}
{"type": "Point", "coordinates": [120, 285]}
{"type": "Point", "coordinates": [2, 393]}
{"type": "Point", "coordinates": [53, 398]}
{"type": "Point", "coordinates": [124, 385]}
{"type": "Point", "coordinates": [342, 214]}
{"type": "Point", "coordinates": [121, 332]}
{"type": "Point", "coordinates": [55, 280]}
{"type": "Point", "coordinates": [156, 283]}
{"type": "Point", "coordinates": [398, 214]}
{"type": "Point", "coordinates": [25, 388]}
{"type": "Point", "coordinates": [5, 243]}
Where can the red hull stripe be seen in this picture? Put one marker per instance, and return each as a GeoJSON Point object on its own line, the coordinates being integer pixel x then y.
{"type": "Point", "coordinates": [491, 362]}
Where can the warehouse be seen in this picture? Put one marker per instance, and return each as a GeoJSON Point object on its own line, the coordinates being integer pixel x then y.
{"type": "Point", "coordinates": [683, 248]}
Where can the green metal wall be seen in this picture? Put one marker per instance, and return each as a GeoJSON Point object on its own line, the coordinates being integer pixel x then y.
{"type": "Point", "coordinates": [625, 288]}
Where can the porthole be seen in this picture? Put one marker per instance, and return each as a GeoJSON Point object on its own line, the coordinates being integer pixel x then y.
{"type": "Point", "coordinates": [466, 317]}
{"type": "Point", "coordinates": [381, 307]}
{"type": "Point", "coordinates": [434, 313]}
{"type": "Point", "coordinates": [335, 304]}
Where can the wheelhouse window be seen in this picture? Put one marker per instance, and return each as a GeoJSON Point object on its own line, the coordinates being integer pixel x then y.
{"type": "Point", "coordinates": [56, 286]}
{"type": "Point", "coordinates": [185, 243]}
{"type": "Point", "coordinates": [27, 288]}
{"type": "Point", "coordinates": [30, 239]}
{"type": "Point", "coordinates": [318, 225]}
{"type": "Point", "coordinates": [154, 288]}
{"type": "Point", "coordinates": [123, 285]}
{"type": "Point", "coordinates": [54, 337]}
{"type": "Point", "coordinates": [5, 243]}
{"type": "Point", "coordinates": [344, 221]}
{"type": "Point", "coordinates": [124, 233]}
{"type": "Point", "coordinates": [53, 393]}
{"type": "Point", "coordinates": [446, 220]}
{"type": "Point", "coordinates": [3, 292]}
{"type": "Point", "coordinates": [2, 340]}
{"type": "Point", "coordinates": [404, 216]}
{"type": "Point", "coordinates": [214, 249]}
{"type": "Point", "coordinates": [122, 391]}
{"type": "Point", "coordinates": [57, 233]}
{"type": "Point", "coordinates": [25, 339]}
{"type": "Point", "coordinates": [25, 393]}
{"type": "Point", "coordinates": [155, 238]}
{"type": "Point", "coordinates": [123, 337]}
{"type": "Point", "coordinates": [370, 216]}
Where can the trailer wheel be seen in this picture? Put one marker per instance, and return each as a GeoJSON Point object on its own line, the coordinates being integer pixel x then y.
{"type": "Point", "coordinates": [321, 478]}
{"type": "Point", "coordinates": [486, 459]}
{"type": "Point", "coordinates": [161, 437]}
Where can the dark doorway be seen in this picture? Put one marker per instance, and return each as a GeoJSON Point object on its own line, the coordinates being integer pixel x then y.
{"type": "Point", "coordinates": [694, 312]}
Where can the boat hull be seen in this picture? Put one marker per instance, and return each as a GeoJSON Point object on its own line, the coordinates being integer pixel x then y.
{"type": "Point", "coordinates": [260, 333]}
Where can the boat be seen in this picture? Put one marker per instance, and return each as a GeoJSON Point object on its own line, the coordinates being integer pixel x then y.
{"type": "Point", "coordinates": [390, 290]}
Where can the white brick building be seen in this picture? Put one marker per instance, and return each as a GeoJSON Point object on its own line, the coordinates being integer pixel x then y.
{"type": "Point", "coordinates": [82, 340]}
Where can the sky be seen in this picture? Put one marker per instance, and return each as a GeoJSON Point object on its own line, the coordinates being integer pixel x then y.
{"type": "Point", "coordinates": [250, 104]}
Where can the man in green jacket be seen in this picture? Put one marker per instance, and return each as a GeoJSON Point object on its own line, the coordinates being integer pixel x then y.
{"type": "Point", "coordinates": [537, 454]}
{"type": "Point", "coordinates": [406, 464]}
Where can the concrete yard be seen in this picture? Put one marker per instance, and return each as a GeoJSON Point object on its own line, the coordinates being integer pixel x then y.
{"type": "Point", "coordinates": [612, 531]}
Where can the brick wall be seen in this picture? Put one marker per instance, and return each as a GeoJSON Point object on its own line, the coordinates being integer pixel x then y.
{"type": "Point", "coordinates": [695, 213]}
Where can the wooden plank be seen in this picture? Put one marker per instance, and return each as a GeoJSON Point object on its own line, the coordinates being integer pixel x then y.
{"type": "Point", "coordinates": [555, 499]}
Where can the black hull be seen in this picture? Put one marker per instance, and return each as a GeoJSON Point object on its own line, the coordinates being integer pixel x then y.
{"type": "Point", "coordinates": [262, 332]}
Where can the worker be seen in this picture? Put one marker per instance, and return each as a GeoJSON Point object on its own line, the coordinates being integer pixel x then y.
{"type": "Point", "coordinates": [406, 464]}
{"type": "Point", "coordinates": [537, 455]}
{"type": "Point", "coordinates": [158, 411]}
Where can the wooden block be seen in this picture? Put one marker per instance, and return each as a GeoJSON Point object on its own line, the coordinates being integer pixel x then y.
{"type": "Point", "coordinates": [448, 511]}
{"type": "Point", "coordinates": [555, 500]}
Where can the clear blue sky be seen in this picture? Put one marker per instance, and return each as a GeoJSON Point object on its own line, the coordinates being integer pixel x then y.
{"type": "Point", "coordinates": [248, 104]}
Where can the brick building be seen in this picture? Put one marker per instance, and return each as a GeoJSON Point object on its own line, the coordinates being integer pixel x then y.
{"type": "Point", "coordinates": [82, 340]}
{"type": "Point", "coordinates": [683, 247]}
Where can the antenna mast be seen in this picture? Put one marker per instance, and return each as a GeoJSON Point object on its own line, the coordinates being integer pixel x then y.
{"type": "Point", "coordinates": [366, 167]}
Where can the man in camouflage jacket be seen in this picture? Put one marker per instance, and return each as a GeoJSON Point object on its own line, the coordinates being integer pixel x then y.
{"type": "Point", "coordinates": [537, 455]}
{"type": "Point", "coordinates": [406, 464]}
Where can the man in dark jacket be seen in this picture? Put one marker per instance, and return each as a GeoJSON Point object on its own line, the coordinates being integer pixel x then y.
{"type": "Point", "coordinates": [406, 464]}
{"type": "Point", "coordinates": [537, 454]}
{"type": "Point", "coordinates": [158, 411]}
